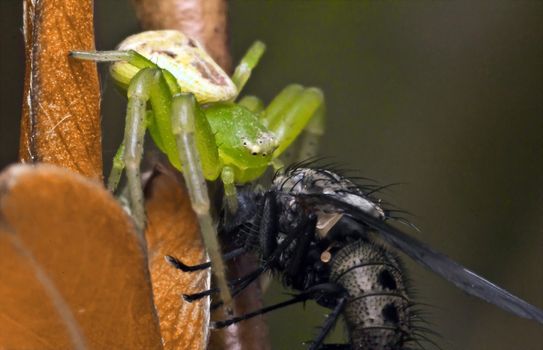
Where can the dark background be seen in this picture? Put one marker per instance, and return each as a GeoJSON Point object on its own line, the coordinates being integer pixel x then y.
{"type": "Point", "coordinates": [446, 97]}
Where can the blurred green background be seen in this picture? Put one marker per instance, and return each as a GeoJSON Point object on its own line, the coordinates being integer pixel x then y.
{"type": "Point", "coordinates": [446, 97]}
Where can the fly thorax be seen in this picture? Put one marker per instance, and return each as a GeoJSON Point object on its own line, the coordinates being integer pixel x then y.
{"type": "Point", "coordinates": [290, 211]}
{"type": "Point", "coordinates": [288, 223]}
{"type": "Point", "coordinates": [325, 182]}
{"type": "Point", "coordinates": [377, 311]}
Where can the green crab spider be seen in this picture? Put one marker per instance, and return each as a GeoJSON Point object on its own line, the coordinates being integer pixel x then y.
{"type": "Point", "coordinates": [186, 101]}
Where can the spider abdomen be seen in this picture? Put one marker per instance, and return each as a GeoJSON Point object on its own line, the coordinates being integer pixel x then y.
{"type": "Point", "coordinates": [377, 311]}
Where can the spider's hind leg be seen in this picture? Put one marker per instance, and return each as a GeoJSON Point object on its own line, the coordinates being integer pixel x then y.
{"type": "Point", "coordinates": [329, 323]}
{"type": "Point", "coordinates": [308, 294]}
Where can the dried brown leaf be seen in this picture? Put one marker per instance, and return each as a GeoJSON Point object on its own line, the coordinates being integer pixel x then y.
{"type": "Point", "coordinates": [73, 271]}
{"type": "Point", "coordinates": [61, 117]}
{"type": "Point", "coordinates": [172, 229]}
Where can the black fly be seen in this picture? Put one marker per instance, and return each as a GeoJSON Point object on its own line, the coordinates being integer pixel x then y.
{"type": "Point", "coordinates": [328, 238]}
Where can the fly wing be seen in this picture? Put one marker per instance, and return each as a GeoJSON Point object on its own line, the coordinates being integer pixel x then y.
{"type": "Point", "coordinates": [439, 263]}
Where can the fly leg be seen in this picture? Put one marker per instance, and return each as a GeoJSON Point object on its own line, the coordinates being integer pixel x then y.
{"type": "Point", "coordinates": [197, 296]}
{"type": "Point", "coordinates": [310, 293]}
{"type": "Point", "coordinates": [190, 268]}
{"type": "Point", "coordinates": [293, 269]}
{"type": "Point", "coordinates": [225, 323]}
{"type": "Point", "coordinates": [330, 322]}
{"type": "Point", "coordinates": [267, 231]}
{"type": "Point", "coordinates": [271, 251]}
{"type": "Point", "coordinates": [307, 223]}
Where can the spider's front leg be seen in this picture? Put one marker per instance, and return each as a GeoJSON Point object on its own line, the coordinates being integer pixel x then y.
{"type": "Point", "coordinates": [184, 119]}
{"type": "Point", "coordinates": [147, 88]}
{"type": "Point", "coordinates": [132, 149]}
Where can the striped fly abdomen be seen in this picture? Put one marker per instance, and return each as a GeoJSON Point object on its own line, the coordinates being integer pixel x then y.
{"type": "Point", "coordinates": [377, 311]}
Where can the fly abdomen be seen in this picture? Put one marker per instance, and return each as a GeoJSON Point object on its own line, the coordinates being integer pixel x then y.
{"type": "Point", "coordinates": [377, 311]}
